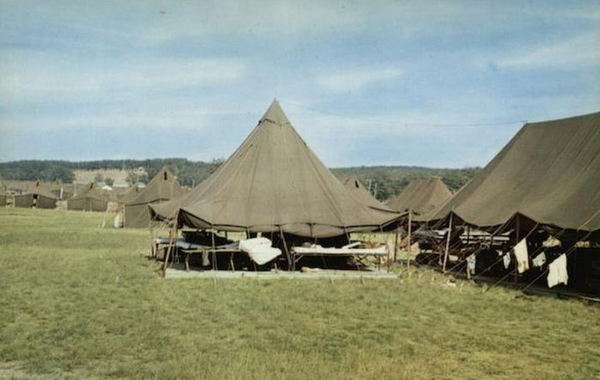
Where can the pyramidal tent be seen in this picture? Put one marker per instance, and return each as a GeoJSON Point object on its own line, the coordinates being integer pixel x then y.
{"type": "Point", "coordinates": [89, 198]}
{"type": "Point", "coordinates": [421, 196]}
{"type": "Point", "coordinates": [38, 195]}
{"type": "Point", "coordinates": [361, 194]}
{"type": "Point", "coordinates": [162, 187]}
{"type": "Point", "coordinates": [274, 182]}
{"type": "Point", "coordinates": [549, 173]}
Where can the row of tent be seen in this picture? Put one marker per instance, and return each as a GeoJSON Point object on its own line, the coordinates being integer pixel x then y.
{"type": "Point", "coordinates": [548, 174]}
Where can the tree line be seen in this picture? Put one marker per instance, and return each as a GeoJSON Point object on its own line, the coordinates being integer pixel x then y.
{"type": "Point", "coordinates": [383, 181]}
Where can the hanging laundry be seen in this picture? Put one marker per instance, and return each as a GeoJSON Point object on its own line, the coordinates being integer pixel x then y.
{"type": "Point", "coordinates": [557, 271]}
{"type": "Point", "coordinates": [539, 260]}
{"type": "Point", "coordinates": [471, 261]}
{"type": "Point", "coordinates": [506, 260]}
{"type": "Point", "coordinates": [521, 256]}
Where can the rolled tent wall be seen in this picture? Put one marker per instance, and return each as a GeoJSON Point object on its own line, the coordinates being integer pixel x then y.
{"type": "Point", "coordinates": [162, 187]}
{"type": "Point", "coordinates": [274, 183]}
{"type": "Point", "coordinates": [548, 173]}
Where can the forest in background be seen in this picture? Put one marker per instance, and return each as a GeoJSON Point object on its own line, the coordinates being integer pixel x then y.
{"type": "Point", "coordinates": [384, 181]}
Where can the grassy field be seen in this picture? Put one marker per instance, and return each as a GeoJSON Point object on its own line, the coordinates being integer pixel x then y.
{"type": "Point", "coordinates": [78, 301]}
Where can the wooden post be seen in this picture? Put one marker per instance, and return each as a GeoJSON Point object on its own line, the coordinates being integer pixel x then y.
{"type": "Point", "coordinates": [214, 253]}
{"type": "Point", "coordinates": [172, 234]}
{"type": "Point", "coordinates": [447, 244]}
{"type": "Point", "coordinates": [409, 237]}
{"type": "Point", "coordinates": [396, 243]}
{"type": "Point", "coordinates": [291, 265]}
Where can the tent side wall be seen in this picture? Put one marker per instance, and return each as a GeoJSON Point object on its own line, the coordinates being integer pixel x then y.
{"type": "Point", "coordinates": [136, 216]}
{"type": "Point", "coordinates": [2, 200]}
{"type": "Point", "coordinates": [45, 202]}
{"type": "Point", "coordinates": [87, 204]}
{"type": "Point", "coordinates": [25, 200]}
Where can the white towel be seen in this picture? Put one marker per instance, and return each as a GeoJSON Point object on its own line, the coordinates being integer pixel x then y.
{"type": "Point", "coordinates": [539, 260]}
{"type": "Point", "coordinates": [471, 261]}
{"type": "Point", "coordinates": [262, 255]}
{"type": "Point", "coordinates": [521, 256]}
{"type": "Point", "coordinates": [506, 260]}
{"type": "Point", "coordinates": [248, 244]}
{"type": "Point", "coordinates": [557, 271]}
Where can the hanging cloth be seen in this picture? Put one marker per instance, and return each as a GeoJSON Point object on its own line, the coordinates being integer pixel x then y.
{"type": "Point", "coordinates": [539, 260]}
{"type": "Point", "coordinates": [557, 271]}
{"type": "Point", "coordinates": [521, 256]}
{"type": "Point", "coordinates": [506, 260]}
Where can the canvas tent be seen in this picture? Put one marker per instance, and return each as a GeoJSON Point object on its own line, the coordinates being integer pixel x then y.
{"type": "Point", "coordinates": [2, 200]}
{"type": "Point", "coordinates": [89, 198]}
{"type": "Point", "coordinates": [421, 197]}
{"type": "Point", "coordinates": [548, 173]}
{"type": "Point", "coordinates": [162, 187]}
{"type": "Point", "coordinates": [361, 194]}
{"type": "Point", "coordinates": [38, 195]}
{"type": "Point", "coordinates": [274, 183]}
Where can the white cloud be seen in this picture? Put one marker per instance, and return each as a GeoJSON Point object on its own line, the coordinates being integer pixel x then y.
{"type": "Point", "coordinates": [574, 52]}
{"type": "Point", "coordinates": [31, 76]}
{"type": "Point", "coordinates": [349, 81]}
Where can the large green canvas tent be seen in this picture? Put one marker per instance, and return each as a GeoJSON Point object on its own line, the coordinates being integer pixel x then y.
{"type": "Point", "coordinates": [548, 173]}
{"type": "Point", "coordinates": [89, 198]}
{"type": "Point", "coordinates": [274, 183]}
{"type": "Point", "coordinates": [361, 194]}
{"type": "Point", "coordinates": [421, 197]}
{"type": "Point", "coordinates": [164, 186]}
{"type": "Point", "coordinates": [38, 196]}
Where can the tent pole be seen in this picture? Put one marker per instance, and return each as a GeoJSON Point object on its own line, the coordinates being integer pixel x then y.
{"type": "Point", "coordinates": [172, 233]}
{"type": "Point", "coordinates": [291, 265]}
{"type": "Point", "coordinates": [447, 244]}
{"type": "Point", "coordinates": [214, 253]}
{"type": "Point", "coordinates": [396, 244]}
{"type": "Point", "coordinates": [409, 238]}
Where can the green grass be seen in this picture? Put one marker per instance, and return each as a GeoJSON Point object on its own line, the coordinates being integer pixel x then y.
{"type": "Point", "coordinates": [79, 301]}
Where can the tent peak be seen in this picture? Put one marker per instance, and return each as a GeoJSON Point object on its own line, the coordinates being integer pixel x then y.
{"type": "Point", "coordinates": [275, 114]}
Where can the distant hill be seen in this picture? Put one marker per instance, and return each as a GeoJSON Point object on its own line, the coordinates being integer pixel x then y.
{"type": "Point", "coordinates": [384, 181]}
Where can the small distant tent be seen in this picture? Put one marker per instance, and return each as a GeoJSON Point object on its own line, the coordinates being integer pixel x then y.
{"type": "Point", "coordinates": [89, 198]}
{"type": "Point", "coordinates": [2, 200]}
{"type": "Point", "coordinates": [361, 194]}
{"type": "Point", "coordinates": [421, 197]}
{"type": "Point", "coordinates": [274, 183]}
{"type": "Point", "coordinates": [38, 196]}
{"type": "Point", "coordinates": [162, 187]}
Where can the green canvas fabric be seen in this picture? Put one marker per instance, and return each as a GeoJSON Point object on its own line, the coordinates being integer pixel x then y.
{"type": "Point", "coordinates": [38, 194]}
{"type": "Point", "coordinates": [549, 172]}
{"type": "Point", "coordinates": [274, 182]}
{"type": "Point", "coordinates": [2, 200]}
{"type": "Point", "coordinates": [89, 198]}
{"type": "Point", "coordinates": [361, 194]}
{"type": "Point", "coordinates": [162, 187]}
{"type": "Point", "coordinates": [422, 197]}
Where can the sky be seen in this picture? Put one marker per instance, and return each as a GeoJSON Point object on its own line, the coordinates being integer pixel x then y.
{"type": "Point", "coordinates": [439, 84]}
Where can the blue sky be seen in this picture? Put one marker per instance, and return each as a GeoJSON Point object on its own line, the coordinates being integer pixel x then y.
{"type": "Point", "coordinates": [443, 84]}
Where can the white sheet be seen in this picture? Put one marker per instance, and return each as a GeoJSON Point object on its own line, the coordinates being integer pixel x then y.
{"type": "Point", "coordinates": [262, 254]}
{"type": "Point", "coordinates": [522, 256]}
{"type": "Point", "coordinates": [557, 271]}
